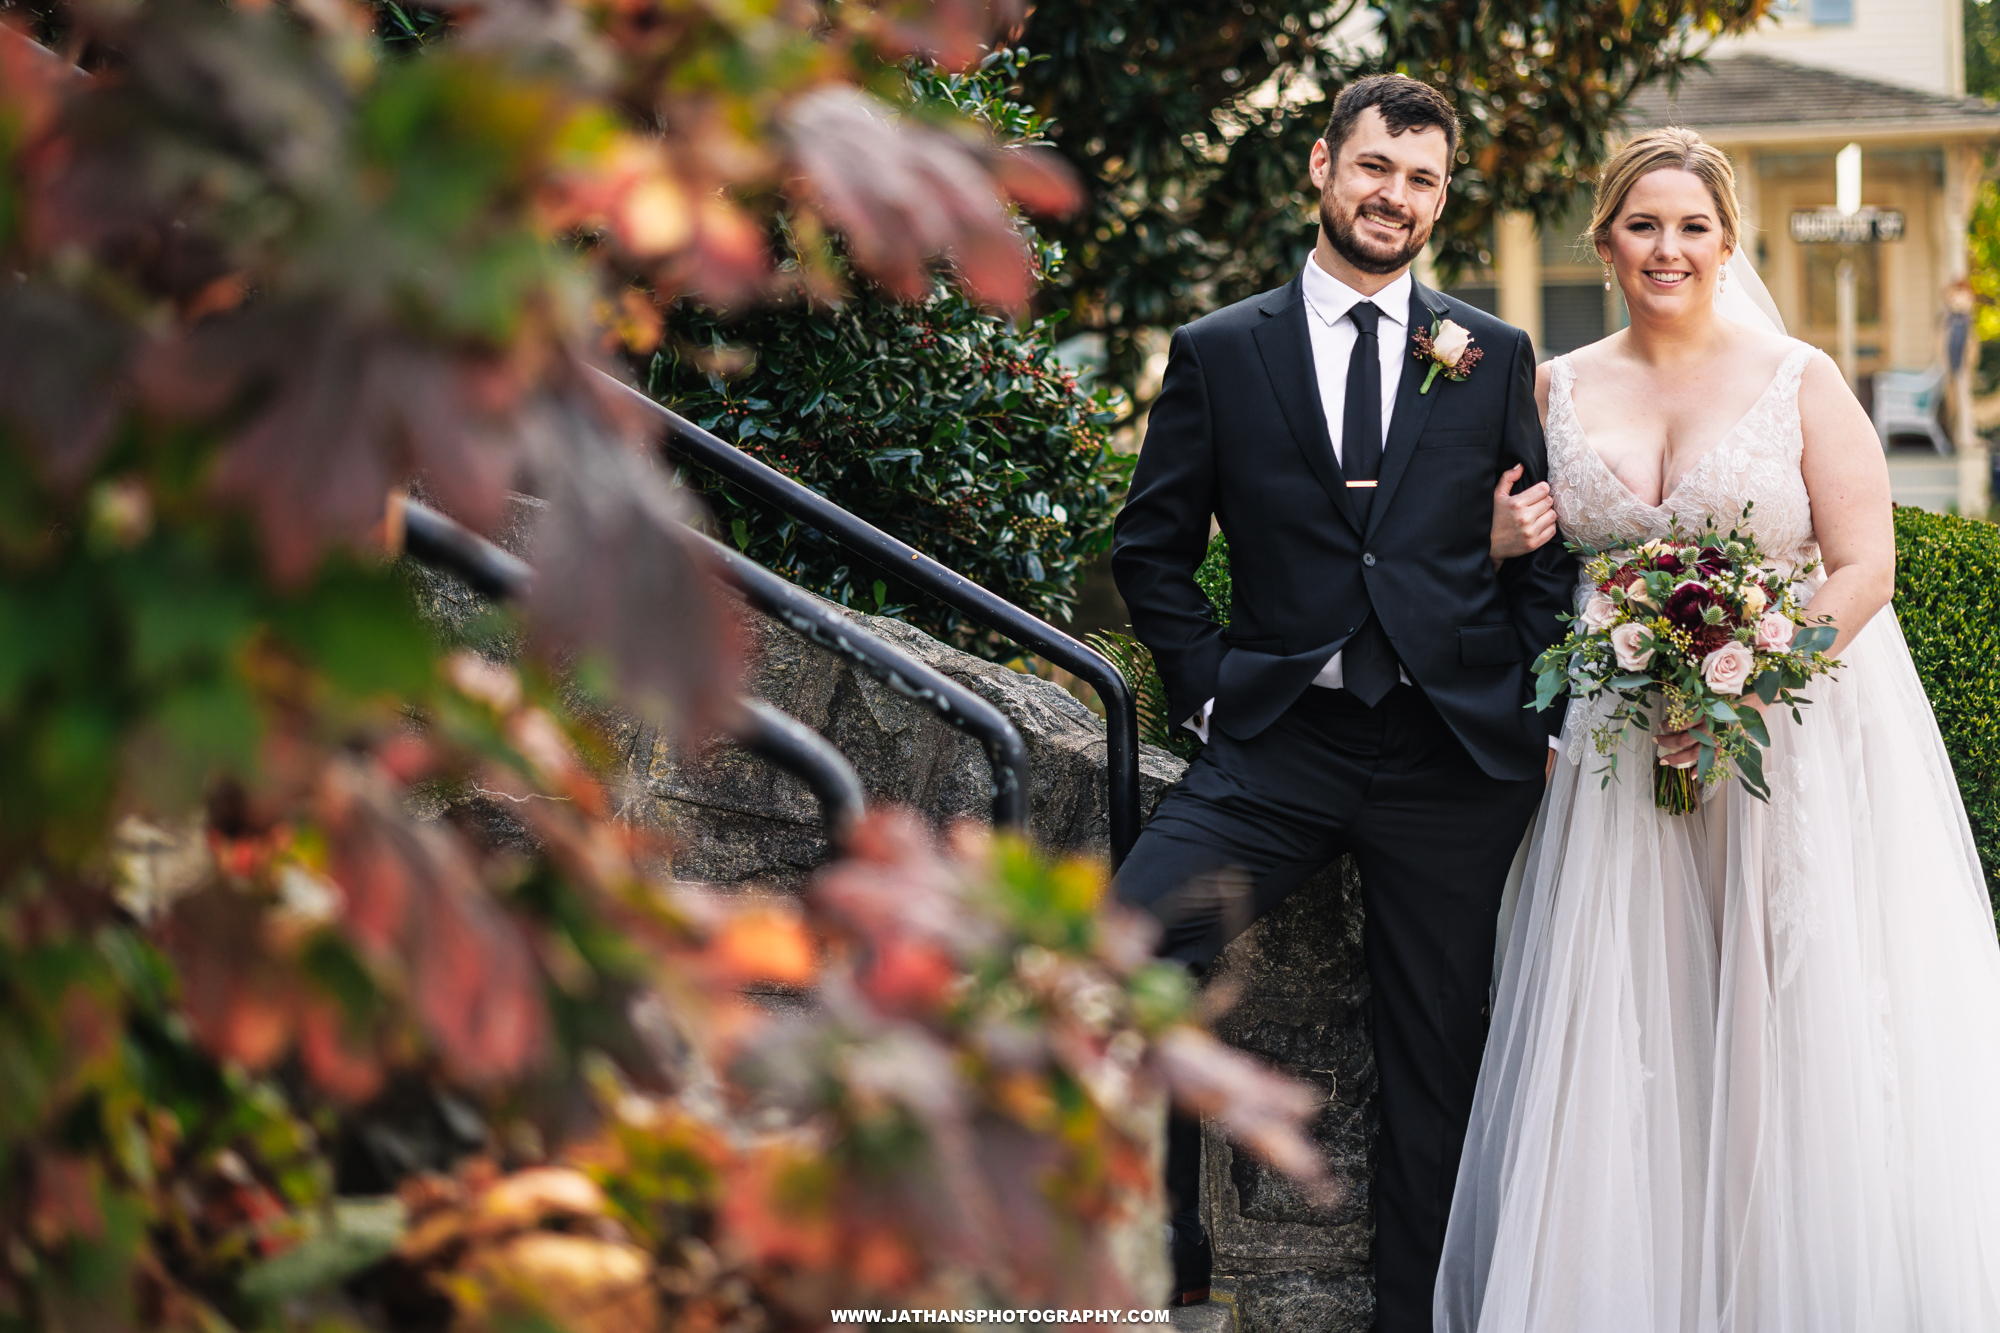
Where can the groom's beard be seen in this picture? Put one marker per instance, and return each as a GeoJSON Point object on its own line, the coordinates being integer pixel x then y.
{"type": "Point", "coordinates": [1341, 235]}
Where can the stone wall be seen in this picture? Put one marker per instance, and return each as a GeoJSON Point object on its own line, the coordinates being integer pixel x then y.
{"type": "Point", "coordinates": [1287, 1264]}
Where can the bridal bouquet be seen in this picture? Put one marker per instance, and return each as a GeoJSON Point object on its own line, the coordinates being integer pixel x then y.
{"type": "Point", "coordinates": [1680, 631]}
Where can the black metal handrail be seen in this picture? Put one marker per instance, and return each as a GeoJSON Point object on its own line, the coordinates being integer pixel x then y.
{"type": "Point", "coordinates": [449, 547]}
{"type": "Point", "coordinates": [954, 704]}
{"type": "Point", "coordinates": [913, 567]}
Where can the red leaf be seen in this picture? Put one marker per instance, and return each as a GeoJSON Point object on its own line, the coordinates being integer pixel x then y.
{"type": "Point", "coordinates": [65, 1200]}
{"type": "Point", "coordinates": [1259, 1107]}
{"type": "Point", "coordinates": [903, 193]}
{"type": "Point", "coordinates": [617, 574]}
{"type": "Point", "coordinates": [348, 1071]}
{"type": "Point", "coordinates": [236, 997]}
{"type": "Point", "coordinates": [477, 989]}
{"type": "Point", "coordinates": [1038, 180]}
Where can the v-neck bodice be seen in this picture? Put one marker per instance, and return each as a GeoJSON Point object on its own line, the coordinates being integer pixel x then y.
{"type": "Point", "coordinates": [1755, 461]}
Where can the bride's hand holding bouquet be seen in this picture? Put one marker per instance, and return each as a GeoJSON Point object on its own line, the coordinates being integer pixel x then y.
{"type": "Point", "coordinates": [1694, 636]}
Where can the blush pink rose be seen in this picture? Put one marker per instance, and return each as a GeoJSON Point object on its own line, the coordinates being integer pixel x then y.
{"type": "Point", "coordinates": [1450, 343]}
{"type": "Point", "coordinates": [1774, 632]}
{"type": "Point", "coordinates": [1625, 642]}
{"type": "Point", "coordinates": [1599, 612]}
{"type": "Point", "coordinates": [1727, 669]}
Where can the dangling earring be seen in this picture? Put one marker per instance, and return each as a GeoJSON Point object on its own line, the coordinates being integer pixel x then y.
{"type": "Point", "coordinates": [1722, 280]}
{"type": "Point", "coordinates": [1607, 277]}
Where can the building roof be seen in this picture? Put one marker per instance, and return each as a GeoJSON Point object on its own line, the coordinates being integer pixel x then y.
{"type": "Point", "coordinates": [1753, 93]}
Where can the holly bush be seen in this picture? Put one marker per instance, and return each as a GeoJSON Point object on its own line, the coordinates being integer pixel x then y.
{"type": "Point", "coordinates": [1948, 599]}
{"type": "Point", "coordinates": [939, 421]}
{"type": "Point", "coordinates": [335, 990]}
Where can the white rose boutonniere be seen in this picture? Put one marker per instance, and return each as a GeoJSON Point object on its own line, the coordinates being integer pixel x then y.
{"type": "Point", "coordinates": [1448, 347]}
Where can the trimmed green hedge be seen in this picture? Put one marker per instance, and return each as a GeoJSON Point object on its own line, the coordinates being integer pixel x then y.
{"type": "Point", "coordinates": [1948, 598]}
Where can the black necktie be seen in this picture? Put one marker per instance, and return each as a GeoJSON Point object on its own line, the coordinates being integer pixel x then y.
{"type": "Point", "coordinates": [1368, 662]}
{"type": "Point", "coordinates": [1361, 417]}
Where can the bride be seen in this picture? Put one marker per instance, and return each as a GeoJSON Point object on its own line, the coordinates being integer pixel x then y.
{"type": "Point", "coordinates": [1744, 1062]}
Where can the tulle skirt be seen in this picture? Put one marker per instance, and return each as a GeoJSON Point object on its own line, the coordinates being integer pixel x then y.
{"type": "Point", "coordinates": [1744, 1069]}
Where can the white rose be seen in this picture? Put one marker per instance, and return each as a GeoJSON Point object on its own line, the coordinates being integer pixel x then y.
{"type": "Point", "coordinates": [1754, 600]}
{"type": "Point", "coordinates": [1599, 612]}
{"type": "Point", "coordinates": [1448, 344]}
{"type": "Point", "coordinates": [1637, 594]}
{"type": "Point", "coordinates": [1625, 642]}
{"type": "Point", "coordinates": [1774, 632]}
{"type": "Point", "coordinates": [1727, 669]}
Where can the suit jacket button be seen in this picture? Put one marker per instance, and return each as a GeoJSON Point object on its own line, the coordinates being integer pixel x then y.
{"type": "Point", "coordinates": [1368, 560]}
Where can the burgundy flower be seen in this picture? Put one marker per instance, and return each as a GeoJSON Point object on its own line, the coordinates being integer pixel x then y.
{"type": "Point", "coordinates": [1687, 603]}
{"type": "Point", "coordinates": [1712, 561]}
{"type": "Point", "coordinates": [1670, 563]}
{"type": "Point", "coordinates": [1707, 638]}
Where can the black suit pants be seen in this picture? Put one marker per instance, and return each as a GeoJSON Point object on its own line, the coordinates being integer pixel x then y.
{"type": "Point", "coordinates": [1432, 836]}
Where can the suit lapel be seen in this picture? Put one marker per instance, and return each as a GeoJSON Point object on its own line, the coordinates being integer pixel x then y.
{"type": "Point", "coordinates": [1412, 410]}
{"type": "Point", "coordinates": [1286, 346]}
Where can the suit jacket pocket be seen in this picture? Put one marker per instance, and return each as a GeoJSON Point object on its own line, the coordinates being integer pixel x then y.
{"type": "Point", "coordinates": [1488, 645]}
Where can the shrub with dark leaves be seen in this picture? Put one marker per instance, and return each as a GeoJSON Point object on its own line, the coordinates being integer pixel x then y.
{"type": "Point", "coordinates": [940, 422]}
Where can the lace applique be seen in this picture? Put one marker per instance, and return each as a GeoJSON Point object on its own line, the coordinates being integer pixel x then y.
{"type": "Point", "coordinates": [1794, 907]}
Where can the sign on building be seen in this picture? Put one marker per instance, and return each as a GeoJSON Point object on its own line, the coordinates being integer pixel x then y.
{"type": "Point", "coordinates": [1830, 226]}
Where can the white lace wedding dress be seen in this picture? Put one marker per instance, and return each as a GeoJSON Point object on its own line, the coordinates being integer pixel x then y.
{"type": "Point", "coordinates": [1744, 1069]}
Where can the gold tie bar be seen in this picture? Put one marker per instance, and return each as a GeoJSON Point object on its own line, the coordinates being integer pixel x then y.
{"type": "Point", "coordinates": [1354, 484]}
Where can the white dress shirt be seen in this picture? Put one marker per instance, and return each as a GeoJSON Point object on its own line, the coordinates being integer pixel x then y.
{"type": "Point", "coordinates": [1328, 300]}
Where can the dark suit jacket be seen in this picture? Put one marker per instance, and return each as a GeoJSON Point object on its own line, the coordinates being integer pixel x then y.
{"type": "Point", "coordinates": [1238, 432]}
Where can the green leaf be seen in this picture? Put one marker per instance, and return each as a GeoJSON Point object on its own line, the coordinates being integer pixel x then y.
{"type": "Point", "coordinates": [1721, 711]}
{"type": "Point", "coordinates": [353, 1234]}
{"type": "Point", "coordinates": [1753, 723]}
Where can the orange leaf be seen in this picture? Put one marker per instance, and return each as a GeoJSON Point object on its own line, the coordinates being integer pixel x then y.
{"type": "Point", "coordinates": [766, 944]}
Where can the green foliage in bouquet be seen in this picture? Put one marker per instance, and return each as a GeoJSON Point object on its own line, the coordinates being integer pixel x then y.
{"type": "Point", "coordinates": [938, 421]}
{"type": "Point", "coordinates": [1948, 599]}
{"type": "Point", "coordinates": [1135, 661]}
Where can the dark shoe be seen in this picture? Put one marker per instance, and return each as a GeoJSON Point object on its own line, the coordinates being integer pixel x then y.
{"type": "Point", "coordinates": [1193, 1261]}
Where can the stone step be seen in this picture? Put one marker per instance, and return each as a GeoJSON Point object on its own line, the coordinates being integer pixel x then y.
{"type": "Point", "coordinates": [1214, 1317]}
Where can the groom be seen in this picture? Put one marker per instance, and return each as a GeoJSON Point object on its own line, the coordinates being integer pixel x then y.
{"type": "Point", "coordinates": [1368, 696]}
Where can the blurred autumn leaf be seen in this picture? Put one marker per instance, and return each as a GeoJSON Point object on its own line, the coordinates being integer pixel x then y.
{"type": "Point", "coordinates": [272, 262]}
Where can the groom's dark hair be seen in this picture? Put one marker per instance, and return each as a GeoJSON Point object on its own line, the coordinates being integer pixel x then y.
{"type": "Point", "coordinates": [1405, 104]}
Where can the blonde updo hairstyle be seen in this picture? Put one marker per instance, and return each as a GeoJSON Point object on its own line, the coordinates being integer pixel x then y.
{"type": "Point", "coordinates": [1666, 149]}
